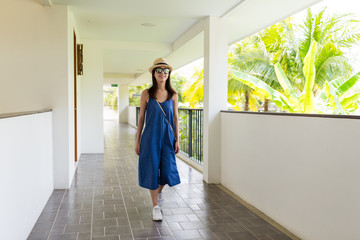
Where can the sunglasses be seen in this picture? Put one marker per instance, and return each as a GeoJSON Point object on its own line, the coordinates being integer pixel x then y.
{"type": "Point", "coordinates": [160, 70]}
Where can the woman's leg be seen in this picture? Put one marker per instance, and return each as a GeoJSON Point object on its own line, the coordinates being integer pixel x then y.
{"type": "Point", "coordinates": [160, 188]}
{"type": "Point", "coordinates": [154, 195]}
{"type": "Point", "coordinates": [160, 197]}
{"type": "Point", "coordinates": [156, 212]}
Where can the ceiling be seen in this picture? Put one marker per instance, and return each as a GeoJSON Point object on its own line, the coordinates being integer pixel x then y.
{"type": "Point", "coordinates": [175, 30]}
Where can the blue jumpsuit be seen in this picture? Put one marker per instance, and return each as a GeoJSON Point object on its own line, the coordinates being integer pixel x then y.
{"type": "Point", "coordinates": [157, 164]}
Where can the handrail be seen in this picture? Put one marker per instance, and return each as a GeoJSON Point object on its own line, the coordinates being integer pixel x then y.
{"type": "Point", "coordinates": [296, 114]}
{"type": "Point", "coordinates": [18, 114]}
{"type": "Point", "coordinates": [181, 108]}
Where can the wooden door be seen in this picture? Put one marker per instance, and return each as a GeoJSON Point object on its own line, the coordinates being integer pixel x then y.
{"type": "Point", "coordinates": [75, 97]}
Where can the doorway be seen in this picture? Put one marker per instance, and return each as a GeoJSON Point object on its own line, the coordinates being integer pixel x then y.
{"type": "Point", "coordinates": [111, 102]}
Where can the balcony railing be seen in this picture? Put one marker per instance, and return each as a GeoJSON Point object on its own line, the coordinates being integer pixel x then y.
{"type": "Point", "coordinates": [190, 132]}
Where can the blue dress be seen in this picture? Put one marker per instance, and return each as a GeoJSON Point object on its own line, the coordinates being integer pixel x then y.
{"type": "Point", "coordinates": [157, 164]}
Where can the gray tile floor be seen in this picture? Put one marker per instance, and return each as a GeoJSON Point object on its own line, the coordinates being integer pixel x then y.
{"type": "Point", "coordinates": [105, 202]}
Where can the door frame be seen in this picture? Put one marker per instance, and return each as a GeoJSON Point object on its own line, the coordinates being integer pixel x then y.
{"type": "Point", "coordinates": [75, 96]}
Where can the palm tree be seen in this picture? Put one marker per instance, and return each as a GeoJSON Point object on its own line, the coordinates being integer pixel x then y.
{"type": "Point", "coordinates": [335, 96]}
{"type": "Point", "coordinates": [334, 34]}
{"type": "Point", "coordinates": [177, 82]}
{"type": "Point", "coordinates": [135, 92]}
{"type": "Point", "coordinates": [194, 92]}
{"type": "Point", "coordinates": [283, 47]}
{"type": "Point", "coordinates": [255, 56]}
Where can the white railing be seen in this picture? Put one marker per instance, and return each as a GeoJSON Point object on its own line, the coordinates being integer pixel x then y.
{"type": "Point", "coordinates": [303, 172]}
{"type": "Point", "coordinates": [26, 172]}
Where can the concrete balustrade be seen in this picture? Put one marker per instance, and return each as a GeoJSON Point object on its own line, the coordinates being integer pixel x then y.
{"type": "Point", "coordinates": [303, 172]}
{"type": "Point", "coordinates": [26, 172]}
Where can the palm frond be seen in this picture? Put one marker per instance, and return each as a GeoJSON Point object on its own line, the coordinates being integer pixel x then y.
{"type": "Point", "coordinates": [194, 93]}
{"type": "Point", "coordinates": [307, 32]}
{"type": "Point", "coordinates": [330, 64]}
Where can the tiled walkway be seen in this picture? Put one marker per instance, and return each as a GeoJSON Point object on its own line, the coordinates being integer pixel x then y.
{"type": "Point", "coordinates": [105, 202]}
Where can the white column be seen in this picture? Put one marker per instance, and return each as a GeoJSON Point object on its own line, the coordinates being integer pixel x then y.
{"type": "Point", "coordinates": [92, 126]}
{"type": "Point", "coordinates": [123, 103]}
{"type": "Point", "coordinates": [215, 93]}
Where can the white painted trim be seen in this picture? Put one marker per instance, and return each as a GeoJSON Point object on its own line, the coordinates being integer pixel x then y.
{"type": "Point", "coordinates": [232, 10]}
{"type": "Point", "coordinates": [191, 33]}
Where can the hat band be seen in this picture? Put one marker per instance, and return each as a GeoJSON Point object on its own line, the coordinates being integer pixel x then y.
{"type": "Point", "coordinates": [161, 64]}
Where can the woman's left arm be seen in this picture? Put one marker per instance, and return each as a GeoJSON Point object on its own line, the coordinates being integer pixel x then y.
{"type": "Point", "coordinates": [176, 123]}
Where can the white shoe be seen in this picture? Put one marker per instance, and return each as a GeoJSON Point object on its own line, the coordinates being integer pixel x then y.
{"type": "Point", "coordinates": [160, 199]}
{"type": "Point", "coordinates": [157, 216]}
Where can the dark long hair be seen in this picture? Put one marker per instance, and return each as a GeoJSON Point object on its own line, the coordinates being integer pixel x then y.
{"type": "Point", "coordinates": [152, 90]}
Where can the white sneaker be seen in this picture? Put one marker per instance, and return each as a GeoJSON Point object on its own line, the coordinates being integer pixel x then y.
{"type": "Point", "coordinates": [157, 216]}
{"type": "Point", "coordinates": [160, 199]}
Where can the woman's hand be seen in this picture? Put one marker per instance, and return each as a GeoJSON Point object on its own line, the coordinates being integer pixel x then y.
{"type": "Point", "coordinates": [137, 148]}
{"type": "Point", "coordinates": [177, 147]}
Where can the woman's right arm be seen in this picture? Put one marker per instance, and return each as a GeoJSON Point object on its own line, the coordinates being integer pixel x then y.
{"type": "Point", "coordinates": [143, 103]}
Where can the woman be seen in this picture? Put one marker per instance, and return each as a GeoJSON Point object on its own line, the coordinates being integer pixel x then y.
{"type": "Point", "coordinates": [159, 142]}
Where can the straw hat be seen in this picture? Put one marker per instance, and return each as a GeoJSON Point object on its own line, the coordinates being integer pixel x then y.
{"type": "Point", "coordinates": [160, 62]}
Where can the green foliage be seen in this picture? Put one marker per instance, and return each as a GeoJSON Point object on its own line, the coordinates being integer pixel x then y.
{"type": "Point", "coordinates": [336, 97]}
{"type": "Point", "coordinates": [178, 82]}
{"type": "Point", "coordinates": [292, 67]}
{"type": "Point", "coordinates": [197, 136]}
{"type": "Point", "coordinates": [110, 97]}
{"type": "Point", "coordinates": [194, 91]}
{"type": "Point", "coordinates": [135, 94]}
{"type": "Point", "coordinates": [309, 71]}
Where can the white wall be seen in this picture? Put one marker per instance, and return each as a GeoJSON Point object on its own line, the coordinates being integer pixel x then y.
{"type": "Point", "coordinates": [303, 172]}
{"type": "Point", "coordinates": [36, 72]}
{"type": "Point", "coordinates": [132, 116]}
{"type": "Point", "coordinates": [33, 55]}
{"type": "Point", "coordinates": [123, 103]}
{"type": "Point", "coordinates": [26, 172]}
{"type": "Point", "coordinates": [92, 132]}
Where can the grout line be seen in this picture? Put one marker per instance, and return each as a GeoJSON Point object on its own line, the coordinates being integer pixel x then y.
{"type": "Point", "coordinates": [259, 213]}
{"type": "Point", "coordinates": [190, 166]}
{"type": "Point", "coordinates": [236, 219]}
{"type": "Point", "coordinates": [122, 196]}
{"type": "Point", "coordinates": [92, 208]}
{"type": "Point", "coordinates": [57, 212]}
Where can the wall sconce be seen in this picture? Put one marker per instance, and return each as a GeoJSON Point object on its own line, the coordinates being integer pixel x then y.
{"type": "Point", "coordinates": [80, 59]}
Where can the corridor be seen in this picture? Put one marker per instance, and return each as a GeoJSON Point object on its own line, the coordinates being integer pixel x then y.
{"type": "Point", "coordinates": [105, 202]}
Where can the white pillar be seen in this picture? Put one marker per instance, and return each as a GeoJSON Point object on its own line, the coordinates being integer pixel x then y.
{"type": "Point", "coordinates": [215, 93]}
{"type": "Point", "coordinates": [123, 103]}
{"type": "Point", "coordinates": [92, 126]}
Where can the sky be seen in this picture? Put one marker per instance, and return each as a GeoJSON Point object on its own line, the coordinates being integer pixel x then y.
{"type": "Point", "coordinates": [340, 6]}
